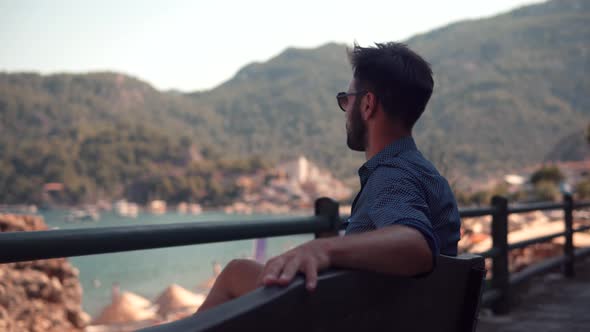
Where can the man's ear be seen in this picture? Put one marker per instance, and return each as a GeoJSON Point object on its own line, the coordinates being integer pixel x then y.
{"type": "Point", "coordinates": [370, 106]}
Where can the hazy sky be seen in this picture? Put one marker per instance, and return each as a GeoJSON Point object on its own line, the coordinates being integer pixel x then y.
{"type": "Point", "coordinates": [194, 45]}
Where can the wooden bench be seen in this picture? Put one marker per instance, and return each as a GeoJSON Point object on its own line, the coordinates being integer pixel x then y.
{"type": "Point", "coordinates": [347, 300]}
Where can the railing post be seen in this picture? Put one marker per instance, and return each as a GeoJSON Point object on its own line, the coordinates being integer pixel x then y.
{"type": "Point", "coordinates": [568, 209]}
{"type": "Point", "coordinates": [500, 272]}
{"type": "Point", "coordinates": [329, 208]}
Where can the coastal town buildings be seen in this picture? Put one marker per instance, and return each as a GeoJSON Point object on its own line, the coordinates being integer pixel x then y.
{"type": "Point", "coordinates": [157, 207]}
{"type": "Point", "coordinates": [126, 209]}
{"type": "Point", "coordinates": [293, 185]}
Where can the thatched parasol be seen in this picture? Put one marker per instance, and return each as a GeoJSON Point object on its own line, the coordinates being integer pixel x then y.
{"type": "Point", "coordinates": [127, 307]}
{"type": "Point", "coordinates": [175, 298]}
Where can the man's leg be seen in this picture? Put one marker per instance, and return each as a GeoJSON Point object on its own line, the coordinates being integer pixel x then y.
{"type": "Point", "coordinates": [239, 277]}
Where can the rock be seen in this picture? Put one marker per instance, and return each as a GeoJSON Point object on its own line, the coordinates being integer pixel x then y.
{"type": "Point", "coordinates": [78, 318]}
{"type": "Point", "coordinates": [6, 322]}
{"type": "Point", "coordinates": [42, 295]}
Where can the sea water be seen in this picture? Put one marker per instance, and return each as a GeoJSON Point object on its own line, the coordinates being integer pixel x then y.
{"type": "Point", "coordinates": [149, 272]}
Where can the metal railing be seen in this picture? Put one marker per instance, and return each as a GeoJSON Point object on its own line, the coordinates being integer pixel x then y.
{"type": "Point", "coordinates": [498, 295]}
{"type": "Point", "coordinates": [24, 246]}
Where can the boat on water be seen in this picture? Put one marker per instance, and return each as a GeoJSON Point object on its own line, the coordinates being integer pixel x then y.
{"type": "Point", "coordinates": [20, 209]}
{"type": "Point", "coordinates": [83, 215]}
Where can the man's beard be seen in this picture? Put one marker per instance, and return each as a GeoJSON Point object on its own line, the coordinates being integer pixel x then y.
{"type": "Point", "coordinates": [356, 131]}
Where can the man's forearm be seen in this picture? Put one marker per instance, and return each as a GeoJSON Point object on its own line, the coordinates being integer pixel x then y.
{"type": "Point", "coordinates": [397, 249]}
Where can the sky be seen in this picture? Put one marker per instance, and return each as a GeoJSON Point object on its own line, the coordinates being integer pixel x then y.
{"type": "Point", "coordinates": [196, 45]}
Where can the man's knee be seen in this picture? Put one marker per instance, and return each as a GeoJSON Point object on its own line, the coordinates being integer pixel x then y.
{"type": "Point", "coordinates": [241, 274]}
{"type": "Point", "coordinates": [242, 266]}
{"type": "Point", "coordinates": [237, 263]}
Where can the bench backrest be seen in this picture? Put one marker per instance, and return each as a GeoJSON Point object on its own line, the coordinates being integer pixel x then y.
{"type": "Point", "coordinates": [346, 300]}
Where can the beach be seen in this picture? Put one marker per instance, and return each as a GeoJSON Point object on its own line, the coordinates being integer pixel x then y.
{"type": "Point", "coordinates": [149, 272]}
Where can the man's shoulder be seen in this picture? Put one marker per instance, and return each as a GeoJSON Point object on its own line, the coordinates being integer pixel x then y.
{"type": "Point", "coordinates": [407, 164]}
{"type": "Point", "coordinates": [411, 170]}
{"type": "Point", "coordinates": [393, 175]}
{"type": "Point", "coordinates": [391, 172]}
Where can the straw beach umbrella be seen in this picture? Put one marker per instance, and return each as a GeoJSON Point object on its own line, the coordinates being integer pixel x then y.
{"type": "Point", "coordinates": [208, 284]}
{"type": "Point", "coordinates": [127, 307]}
{"type": "Point", "coordinates": [175, 299]}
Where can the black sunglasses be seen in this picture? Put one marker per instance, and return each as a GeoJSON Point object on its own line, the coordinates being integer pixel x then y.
{"type": "Point", "coordinates": [342, 98]}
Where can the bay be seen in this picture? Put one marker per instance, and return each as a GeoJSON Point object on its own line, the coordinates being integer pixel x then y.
{"type": "Point", "coordinates": [149, 272]}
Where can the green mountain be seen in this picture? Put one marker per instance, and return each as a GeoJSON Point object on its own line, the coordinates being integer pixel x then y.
{"type": "Point", "coordinates": [508, 89]}
{"type": "Point", "coordinates": [573, 147]}
{"type": "Point", "coordinates": [287, 106]}
{"type": "Point", "coordinates": [106, 135]}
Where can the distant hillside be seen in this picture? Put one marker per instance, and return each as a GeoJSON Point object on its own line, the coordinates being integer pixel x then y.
{"type": "Point", "coordinates": [508, 89]}
{"type": "Point", "coordinates": [573, 147]}
{"type": "Point", "coordinates": [104, 136]}
{"type": "Point", "coordinates": [287, 106]}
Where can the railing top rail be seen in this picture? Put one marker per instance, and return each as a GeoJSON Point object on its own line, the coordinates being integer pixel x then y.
{"type": "Point", "coordinates": [476, 212]}
{"type": "Point", "coordinates": [581, 205]}
{"type": "Point", "coordinates": [517, 208]}
{"type": "Point", "coordinates": [21, 246]}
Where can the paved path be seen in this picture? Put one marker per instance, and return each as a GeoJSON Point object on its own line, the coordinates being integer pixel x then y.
{"type": "Point", "coordinates": [546, 304]}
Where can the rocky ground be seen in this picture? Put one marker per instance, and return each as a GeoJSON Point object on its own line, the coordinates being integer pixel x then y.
{"type": "Point", "coordinates": [40, 295]}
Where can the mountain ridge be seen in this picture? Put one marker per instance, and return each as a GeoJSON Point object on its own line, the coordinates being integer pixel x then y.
{"type": "Point", "coordinates": [507, 89]}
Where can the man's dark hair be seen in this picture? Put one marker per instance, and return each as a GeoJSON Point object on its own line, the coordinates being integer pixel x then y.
{"type": "Point", "coordinates": [400, 78]}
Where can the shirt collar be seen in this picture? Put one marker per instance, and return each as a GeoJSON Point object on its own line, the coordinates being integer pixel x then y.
{"type": "Point", "coordinates": [398, 146]}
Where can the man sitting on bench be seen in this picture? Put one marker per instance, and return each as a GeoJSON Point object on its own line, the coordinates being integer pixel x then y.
{"type": "Point", "coordinates": [405, 214]}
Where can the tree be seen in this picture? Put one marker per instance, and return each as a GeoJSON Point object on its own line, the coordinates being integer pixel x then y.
{"type": "Point", "coordinates": [583, 189]}
{"type": "Point", "coordinates": [547, 174]}
{"type": "Point", "coordinates": [546, 191]}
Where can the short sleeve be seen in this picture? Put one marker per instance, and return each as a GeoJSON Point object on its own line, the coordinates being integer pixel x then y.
{"type": "Point", "coordinates": [400, 201]}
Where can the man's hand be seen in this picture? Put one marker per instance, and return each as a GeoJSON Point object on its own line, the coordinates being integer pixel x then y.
{"type": "Point", "coordinates": [395, 250]}
{"type": "Point", "coordinates": [308, 258]}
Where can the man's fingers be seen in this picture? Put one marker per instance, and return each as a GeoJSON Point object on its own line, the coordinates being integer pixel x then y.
{"type": "Point", "coordinates": [289, 271]}
{"type": "Point", "coordinates": [311, 275]}
{"type": "Point", "coordinates": [272, 270]}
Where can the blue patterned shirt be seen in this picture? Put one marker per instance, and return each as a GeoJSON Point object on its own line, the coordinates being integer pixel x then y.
{"type": "Point", "coordinates": [400, 187]}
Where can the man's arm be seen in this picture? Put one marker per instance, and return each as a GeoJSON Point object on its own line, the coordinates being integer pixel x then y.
{"type": "Point", "coordinates": [395, 249]}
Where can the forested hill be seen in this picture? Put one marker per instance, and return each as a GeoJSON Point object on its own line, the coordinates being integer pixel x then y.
{"type": "Point", "coordinates": [508, 89]}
